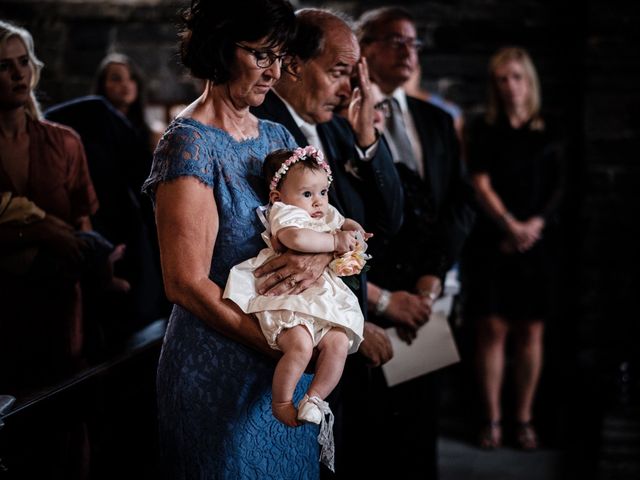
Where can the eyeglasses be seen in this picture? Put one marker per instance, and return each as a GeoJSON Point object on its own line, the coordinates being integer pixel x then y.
{"type": "Point", "coordinates": [264, 58]}
{"type": "Point", "coordinates": [397, 42]}
{"type": "Point", "coordinates": [384, 107]}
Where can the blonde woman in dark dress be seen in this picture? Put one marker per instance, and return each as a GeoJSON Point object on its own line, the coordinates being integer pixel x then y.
{"type": "Point", "coordinates": [515, 169]}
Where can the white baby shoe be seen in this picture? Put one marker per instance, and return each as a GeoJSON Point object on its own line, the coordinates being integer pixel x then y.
{"type": "Point", "coordinates": [315, 410]}
{"type": "Point", "coordinates": [309, 411]}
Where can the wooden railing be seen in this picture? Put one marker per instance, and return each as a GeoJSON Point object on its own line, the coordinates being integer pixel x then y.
{"type": "Point", "coordinates": [104, 415]}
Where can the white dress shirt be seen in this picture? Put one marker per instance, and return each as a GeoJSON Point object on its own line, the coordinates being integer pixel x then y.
{"type": "Point", "coordinates": [310, 131]}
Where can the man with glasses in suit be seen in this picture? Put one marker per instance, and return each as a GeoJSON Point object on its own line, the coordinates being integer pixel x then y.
{"type": "Point", "coordinates": [410, 267]}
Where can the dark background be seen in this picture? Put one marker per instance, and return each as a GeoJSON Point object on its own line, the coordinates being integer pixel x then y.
{"type": "Point", "coordinates": [587, 57]}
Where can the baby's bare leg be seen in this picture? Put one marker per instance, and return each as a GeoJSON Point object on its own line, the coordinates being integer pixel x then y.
{"type": "Point", "coordinates": [297, 347]}
{"type": "Point", "coordinates": [332, 349]}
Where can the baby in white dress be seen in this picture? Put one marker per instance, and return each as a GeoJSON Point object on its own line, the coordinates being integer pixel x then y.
{"type": "Point", "coordinates": [325, 316]}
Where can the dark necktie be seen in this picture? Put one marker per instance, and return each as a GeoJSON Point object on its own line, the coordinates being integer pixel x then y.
{"type": "Point", "coordinates": [397, 130]}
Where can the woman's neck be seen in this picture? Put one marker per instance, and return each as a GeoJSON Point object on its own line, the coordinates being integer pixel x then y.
{"type": "Point", "coordinates": [216, 107]}
{"type": "Point", "coordinates": [13, 123]}
{"type": "Point", "coordinates": [518, 115]}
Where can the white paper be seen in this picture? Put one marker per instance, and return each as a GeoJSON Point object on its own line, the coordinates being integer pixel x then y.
{"type": "Point", "coordinates": [433, 347]}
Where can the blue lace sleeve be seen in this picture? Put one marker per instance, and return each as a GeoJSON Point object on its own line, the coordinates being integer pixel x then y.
{"type": "Point", "coordinates": [181, 152]}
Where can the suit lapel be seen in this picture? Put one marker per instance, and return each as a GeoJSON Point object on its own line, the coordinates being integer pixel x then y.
{"type": "Point", "coordinates": [274, 109]}
{"type": "Point", "coordinates": [332, 157]}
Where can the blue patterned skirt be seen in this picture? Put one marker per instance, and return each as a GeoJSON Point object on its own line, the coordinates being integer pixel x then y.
{"type": "Point", "coordinates": [215, 421]}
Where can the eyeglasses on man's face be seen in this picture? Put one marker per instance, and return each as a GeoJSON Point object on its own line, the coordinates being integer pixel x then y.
{"type": "Point", "coordinates": [263, 58]}
{"type": "Point", "coordinates": [397, 42]}
{"type": "Point", "coordinates": [384, 107]}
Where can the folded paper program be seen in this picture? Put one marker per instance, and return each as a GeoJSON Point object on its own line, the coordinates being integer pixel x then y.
{"type": "Point", "coordinates": [432, 349]}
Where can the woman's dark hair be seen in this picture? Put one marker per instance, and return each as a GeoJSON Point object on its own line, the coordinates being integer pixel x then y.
{"type": "Point", "coordinates": [212, 28]}
{"type": "Point", "coordinates": [275, 159]}
{"type": "Point", "coordinates": [135, 114]}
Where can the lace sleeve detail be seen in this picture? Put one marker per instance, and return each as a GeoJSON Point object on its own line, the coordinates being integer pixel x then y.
{"type": "Point", "coordinates": [182, 152]}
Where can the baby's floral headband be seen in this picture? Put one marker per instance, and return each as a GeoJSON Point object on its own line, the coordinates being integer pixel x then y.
{"type": "Point", "coordinates": [300, 154]}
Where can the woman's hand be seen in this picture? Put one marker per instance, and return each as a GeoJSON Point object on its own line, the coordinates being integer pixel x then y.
{"type": "Point", "coordinates": [520, 235]}
{"type": "Point", "coordinates": [523, 235]}
{"type": "Point", "coordinates": [291, 273]}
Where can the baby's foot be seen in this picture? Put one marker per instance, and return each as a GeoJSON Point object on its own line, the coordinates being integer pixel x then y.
{"type": "Point", "coordinates": [286, 413]}
{"type": "Point", "coordinates": [309, 411]}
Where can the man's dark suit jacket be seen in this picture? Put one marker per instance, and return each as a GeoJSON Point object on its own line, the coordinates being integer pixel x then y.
{"type": "Point", "coordinates": [452, 193]}
{"type": "Point", "coordinates": [438, 209]}
{"type": "Point", "coordinates": [375, 200]}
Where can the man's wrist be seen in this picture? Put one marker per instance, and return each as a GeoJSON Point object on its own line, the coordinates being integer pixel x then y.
{"type": "Point", "coordinates": [384, 298]}
{"type": "Point", "coordinates": [368, 142]}
{"type": "Point", "coordinates": [432, 295]}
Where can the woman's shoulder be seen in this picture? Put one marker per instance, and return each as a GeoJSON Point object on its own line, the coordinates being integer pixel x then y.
{"type": "Point", "coordinates": [273, 131]}
{"type": "Point", "coordinates": [184, 150]}
{"type": "Point", "coordinates": [189, 140]}
{"type": "Point", "coordinates": [271, 126]}
{"type": "Point", "coordinates": [57, 131]}
{"type": "Point", "coordinates": [185, 129]}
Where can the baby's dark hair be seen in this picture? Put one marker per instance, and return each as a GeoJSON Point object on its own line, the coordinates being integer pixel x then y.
{"type": "Point", "coordinates": [275, 159]}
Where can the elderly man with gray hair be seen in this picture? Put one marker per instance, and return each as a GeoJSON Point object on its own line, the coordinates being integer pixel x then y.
{"type": "Point", "coordinates": [366, 187]}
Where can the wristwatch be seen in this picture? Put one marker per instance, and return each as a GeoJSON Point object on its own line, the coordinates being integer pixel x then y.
{"type": "Point", "coordinates": [383, 301]}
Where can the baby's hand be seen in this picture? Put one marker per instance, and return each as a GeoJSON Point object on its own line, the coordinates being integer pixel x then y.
{"type": "Point", "coordinates": [344, 241]}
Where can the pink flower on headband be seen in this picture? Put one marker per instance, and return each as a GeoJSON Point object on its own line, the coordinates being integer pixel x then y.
{"type": "Point", "coordinates": [297, 155]}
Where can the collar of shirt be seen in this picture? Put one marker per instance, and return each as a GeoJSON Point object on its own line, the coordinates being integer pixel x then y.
{"type": "Point", "coordinates": [401, 96]}
{"type": "Point", "coordinates": [310, 132]}
{"type": "Point", "coordinates": [308, 129]}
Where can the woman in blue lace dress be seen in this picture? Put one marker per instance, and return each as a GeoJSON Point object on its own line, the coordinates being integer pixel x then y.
{"type": "Point", "coordinates": [215, 371]}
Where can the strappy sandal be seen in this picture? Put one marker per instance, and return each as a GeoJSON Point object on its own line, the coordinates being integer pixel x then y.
{"type": "Point", "coordinates": [491, 435]}
{"type": "Point", "coordinates": [526, 436]}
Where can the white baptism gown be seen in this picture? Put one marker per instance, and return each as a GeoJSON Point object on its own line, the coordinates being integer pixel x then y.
{"type": "Point", "coordinates": [328, 303]}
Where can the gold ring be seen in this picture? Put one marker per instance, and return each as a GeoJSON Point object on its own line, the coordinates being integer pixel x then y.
{"type": "Point", "coordinates": [292, 282]}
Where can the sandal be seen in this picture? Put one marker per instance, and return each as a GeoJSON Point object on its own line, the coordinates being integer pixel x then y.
{"type": "Point", "coordinates": [526, 436]}
{"type": "Point", "coordinates": [491, 435]}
